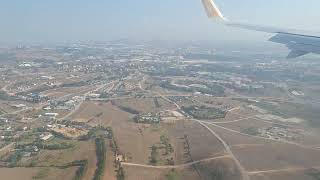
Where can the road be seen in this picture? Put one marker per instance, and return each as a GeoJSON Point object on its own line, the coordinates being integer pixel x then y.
{"type": "Point", "coordinates": [258, 137]}
{"type": "Point", "coordinates": [282, 170]}
{"type": "Point", "coordinates": [244, 173]}
{"type": "Point", "coordinates": [237, 120]}
{"type": "Point", "coordinates": [242, 170]}
{"type": "Point", "coordinates": [83, 99]}
{"type": "Point", "coordinates": [175, 166]}
{"type": "Point", "coordinates": [131, 97]}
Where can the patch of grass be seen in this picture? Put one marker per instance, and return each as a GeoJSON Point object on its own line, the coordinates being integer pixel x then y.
{"type": "Point", "coordinates": [43, 173]}
{"type": "Point", "coordinates": [120, 174]}
{"type": "Point", "coordinates": [5, 96]}
{"type": "Point", "coordinates": [271, 108]}
{"type": "Point", "coordinates": [14, 158]}
{"type": "Point", "coordinates": [314, 173]}
{"type": "Point", "coordinates": [307, 112]}
{"type": "Point", "coordinates": [172, 175]}
{"type": "Point", "coordinates": [251, 131]}
{"type": "Point", "coordinates": [204, 112]}
{"type": "Point", "coordinates": [155, 127]}
{"type": "Point", "coordinates": [83, 166]}
{"type": "Point", "coordinates": [154, 157]}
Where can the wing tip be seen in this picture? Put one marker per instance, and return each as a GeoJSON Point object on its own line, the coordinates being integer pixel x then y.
{"type": "Point", "coordinates": [212, 10]}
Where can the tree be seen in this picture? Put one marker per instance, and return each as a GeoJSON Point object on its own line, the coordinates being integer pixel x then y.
{"type": "Point", "coordinates": [154, 154]}
{"type": "Point", "coordinates": [120, 174]}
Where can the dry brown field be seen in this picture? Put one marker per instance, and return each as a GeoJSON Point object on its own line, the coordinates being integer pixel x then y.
{"type": "Point", "coordinates": [203, 171]}
{"type": "Point", "coordinates": [60, 92]}
{"type": "Point", "coordinates": [308, 138]}
{"type": "Point", "coordinates": [232, 138]}
{"type": "Point", "coordinates": [226, 167]}
{"type": "Point", "coordinates": [216, 101]}
{"type": "Point", "coordinates": [286, 175]}
{"type": "Point", "coordinates": [245, 124]}
{"type": "Point", "coordinates": [37, 173]}
{"type": "Point", "coordinates": [134, 140]}
{"type": "Point", "coordinates": [145, 104]}
{"type": "Point", "coordinates": [276, 156]}
{"type": "Point", "coordinates": [202, 143]}
{"type": "Point", "coordinates": [83, 150]}
{"type": "Point", "coordinates": [109, 172]}
{"type": "Point", "coordinates": [140, 173]}
{"type": "Point", "coordinates": [94, 113]}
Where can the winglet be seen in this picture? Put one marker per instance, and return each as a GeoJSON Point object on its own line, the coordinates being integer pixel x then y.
{"type": "Point", "coordinates": [212, 10]}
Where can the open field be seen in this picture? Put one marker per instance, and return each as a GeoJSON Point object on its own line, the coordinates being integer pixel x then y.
{"type": "Point", "coordinates": [233, 138]}
{"type": "Point", "coordinates": [145, 104]}
{"type": "Point", "coordinates": [149, 85]}
{"type": "Point", "coordinates": [217, 101]}
{"type": "Point", "coordinates": [141, 173]}
{"type": "Point", "coordinates": [37, 173]}
{"type": "Point", "coordinates": [136, 141]}
{"type": "Point", "coordinates": [237, 113]}
{"type": "Point", "coordinates": [305, 136]}
{"type": "Point", "coordinates": [290, 174]}
{"type": "Point", "coordinates": [223, 169]}
{"type": "Point", "coordinates": [276, 156]}
{"type": "Point", "coordinates": [201, 143]}
{"type": "Point", "coordinates": [60, 92]}
{"type": "Point", "coordinates": [86, 111]}
{"type": "Point", "coordinates": [72, 133]}
{"type": "Point", "coordinates": [246, 123]}
{"type": "Point", "coordinates": [155, 111]}
{"type": "Point", "coordinates": [109, 172]}
{"type": "Point", "coordinates": [81, 151]}
{"type": "Point", "coordinates": [95, 113]}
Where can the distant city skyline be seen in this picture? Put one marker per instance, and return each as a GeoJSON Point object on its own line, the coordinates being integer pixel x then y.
{"type": "Point", "coordinates": [73, 20]}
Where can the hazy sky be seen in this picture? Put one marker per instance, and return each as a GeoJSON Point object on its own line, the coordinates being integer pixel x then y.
{"type": "Point", "coordinates": [64, 20]}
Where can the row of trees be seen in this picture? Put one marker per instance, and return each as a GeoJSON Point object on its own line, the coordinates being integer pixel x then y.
{"type": "Point", "coordinates": [126, 109]}
{"type": "Point", "coordinates": [83, 166]}
{"type": "Point", "coordinates": [168, 147]}
{"type": "Point", "coordinates": [101, 158]}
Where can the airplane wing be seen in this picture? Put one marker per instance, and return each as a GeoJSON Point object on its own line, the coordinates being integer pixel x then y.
{"type": "Point", "coordinates": [299, 44]}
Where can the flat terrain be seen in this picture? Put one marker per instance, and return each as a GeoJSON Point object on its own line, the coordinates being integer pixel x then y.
{"type": "Point", "coordinates": [276, 156]}
{"type": "Point", "coordinates": [202, 143]}
{"type": "Point", "coordinates": [37, 173]}
{"type": "Point", "coordinates": [285, 175]}
{"type": "Point", "coordinates": [145, 104]}
{"type": "Point", "coordinates": [132, 111]}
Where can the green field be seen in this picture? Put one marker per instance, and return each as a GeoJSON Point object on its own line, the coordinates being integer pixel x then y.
{"type": "Point", "coordinates": [203, 112]}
